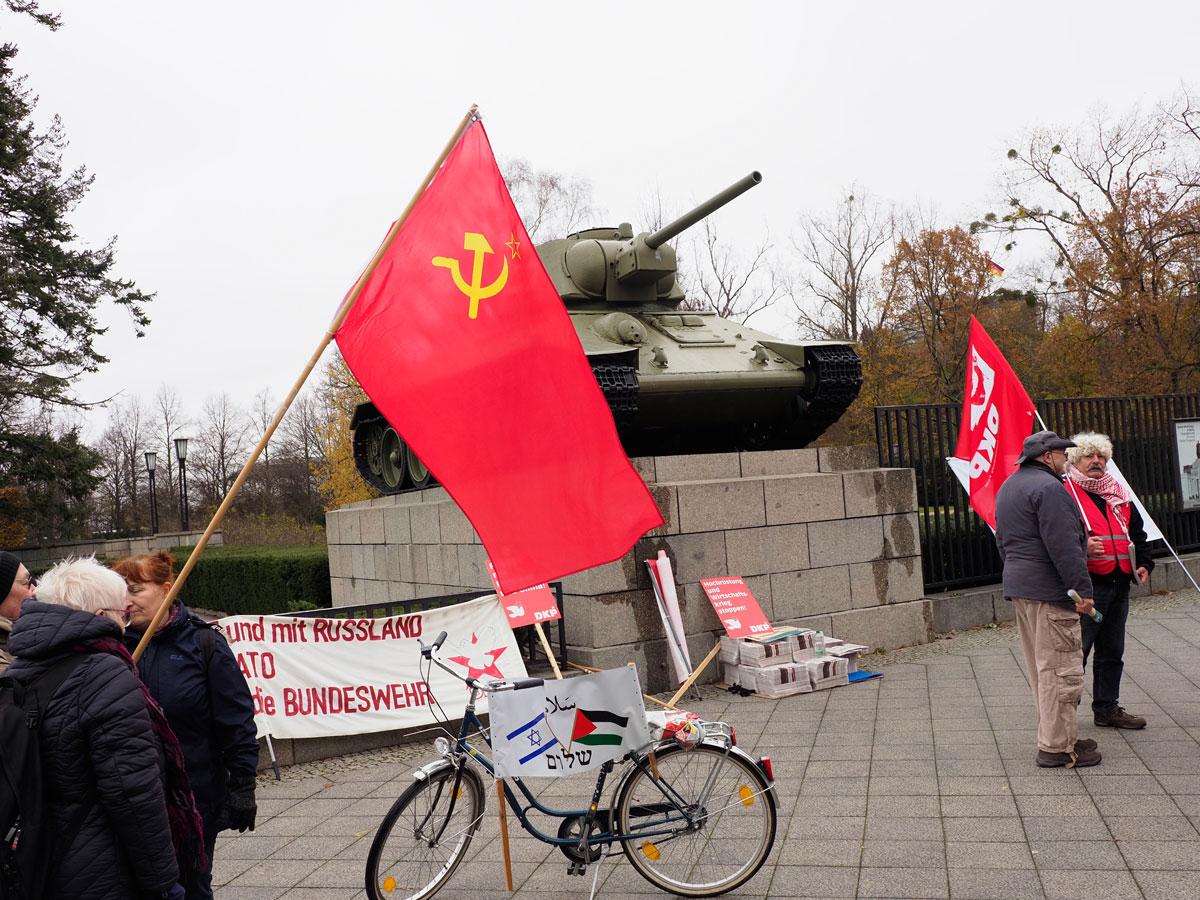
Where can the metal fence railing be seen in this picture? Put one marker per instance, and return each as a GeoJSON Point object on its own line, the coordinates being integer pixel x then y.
{"type": "Point", "coordinates": [957, 547]}
{"type": "Point", "coordinates": [526, 637]}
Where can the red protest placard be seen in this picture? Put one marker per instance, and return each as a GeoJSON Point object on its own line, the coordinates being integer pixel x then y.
{"type": "Point", "coordinates": [535, 604]}
{"type": "Point", "coordinates": [735, 606]}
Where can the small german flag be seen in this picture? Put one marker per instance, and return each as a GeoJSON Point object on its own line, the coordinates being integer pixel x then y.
{"type": "Point", "coordinates": [993, 269]}
{"type": "Point", "coordinates": [588, 725]}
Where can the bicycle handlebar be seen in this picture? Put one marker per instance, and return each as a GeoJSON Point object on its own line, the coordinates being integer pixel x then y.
{"type": "Point", "coordinates": [491, 687]}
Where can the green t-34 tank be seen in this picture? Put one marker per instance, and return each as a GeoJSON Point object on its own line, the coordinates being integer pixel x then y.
{"type": "Point", "coordinates": [678, 381]}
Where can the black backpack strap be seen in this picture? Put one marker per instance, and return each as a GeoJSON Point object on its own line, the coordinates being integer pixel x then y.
{"type": "Point", "coordinates": [206, 637]}
{"type": "Point", "coordinates": [34, 697]}
{"type": "Point", "coordinates": [39, 691]}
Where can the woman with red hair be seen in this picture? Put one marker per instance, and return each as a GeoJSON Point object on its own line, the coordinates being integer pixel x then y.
{"type": "Point", "coordinates": [192, 673]}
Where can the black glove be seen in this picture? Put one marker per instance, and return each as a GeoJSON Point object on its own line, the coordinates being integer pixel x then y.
{"type": "Point", "coordinates": [240, 808]}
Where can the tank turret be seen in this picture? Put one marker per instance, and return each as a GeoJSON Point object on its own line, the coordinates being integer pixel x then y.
{"type": "Point", "coordinates": [677, 380]}
{"type": "Point", "coordinates": [614, 266]}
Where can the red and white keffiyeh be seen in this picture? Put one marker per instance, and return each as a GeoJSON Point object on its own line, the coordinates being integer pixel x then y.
{"type": "Point", "coordinates": [1113, 491]}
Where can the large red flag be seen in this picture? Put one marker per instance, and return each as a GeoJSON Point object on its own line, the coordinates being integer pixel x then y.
{"type": "Point", "coordinates": [461, 340]}
{"type": "Point", "coordinates": [997, 416]}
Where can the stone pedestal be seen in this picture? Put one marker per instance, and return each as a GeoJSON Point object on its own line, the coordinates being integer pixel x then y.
{"type": "Point", "coordinates": [823, 538]}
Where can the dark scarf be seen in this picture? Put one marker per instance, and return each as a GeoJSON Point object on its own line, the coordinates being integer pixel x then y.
{"type": "Point", "coordinates": [186, 829]}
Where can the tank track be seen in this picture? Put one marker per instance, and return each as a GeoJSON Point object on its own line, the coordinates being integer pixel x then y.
{"type": "Point", "coordinates": [836, 373]}
{"type": "Point", "coordinates": [619, 384]}
{"type": "Point", "coordinates": [834, 379]}
{"type": "Point", "coordinates": [359, 445]}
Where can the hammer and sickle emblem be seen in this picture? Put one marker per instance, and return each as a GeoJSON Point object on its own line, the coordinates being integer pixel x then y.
{"type": "Point", "coordinates": [475, 290]}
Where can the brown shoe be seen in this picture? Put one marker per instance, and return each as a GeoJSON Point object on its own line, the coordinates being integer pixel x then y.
{"type": "Point", "coordinates": [1084, 744]}
{"type": "Point", "coordinates": [1118, 718]}
{"type": "Point", "coordinates": [1077, 760]}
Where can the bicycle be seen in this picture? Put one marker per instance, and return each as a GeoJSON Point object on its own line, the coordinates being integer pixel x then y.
{"type": "Point", "coordinates": [694, 821]}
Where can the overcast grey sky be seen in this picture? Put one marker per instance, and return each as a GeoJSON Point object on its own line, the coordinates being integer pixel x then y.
{"type": "Point", "coordinates": [249, 156]}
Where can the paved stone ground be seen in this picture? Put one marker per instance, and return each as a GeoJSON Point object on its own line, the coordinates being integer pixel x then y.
{"type": "Point", "coordinates": [919, 784]}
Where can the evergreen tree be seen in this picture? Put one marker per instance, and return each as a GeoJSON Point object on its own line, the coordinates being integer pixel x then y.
{"type": "Point", "coordinates": [50, 291]}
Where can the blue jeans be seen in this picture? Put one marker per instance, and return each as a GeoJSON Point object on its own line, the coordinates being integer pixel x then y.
{"type": "Point", "coordinates": [1108, 639]}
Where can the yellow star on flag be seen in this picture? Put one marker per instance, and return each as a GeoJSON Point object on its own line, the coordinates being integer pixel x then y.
{"type": "Point", "coordinates": [513, 245]}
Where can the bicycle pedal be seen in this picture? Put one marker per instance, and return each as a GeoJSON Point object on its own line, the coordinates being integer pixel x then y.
{"type": "Point", "coordinates": [577, 868]}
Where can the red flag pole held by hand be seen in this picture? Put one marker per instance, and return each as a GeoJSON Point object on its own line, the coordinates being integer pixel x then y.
{"type": "Point", "coordinates": [342, 312]}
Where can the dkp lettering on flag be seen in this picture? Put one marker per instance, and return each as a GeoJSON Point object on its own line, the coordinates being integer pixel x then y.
{"type": "Point", "coordinates": [997, 416]}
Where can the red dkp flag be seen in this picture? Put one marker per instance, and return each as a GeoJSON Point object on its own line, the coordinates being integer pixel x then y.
{"type": "Point", "coordinates": [997, 416]}
{"type": "Point", "coordinates": [461, 340]}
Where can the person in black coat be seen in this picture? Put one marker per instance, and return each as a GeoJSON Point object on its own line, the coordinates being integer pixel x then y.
{"type": "Point", "coordinates": [191, 671]}
{"type": "Point", "coordinates": [103, 760]}
{"type": "Point", "coordinates": [1114, 528]}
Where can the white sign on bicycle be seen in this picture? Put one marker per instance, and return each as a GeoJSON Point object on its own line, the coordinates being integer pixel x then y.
{"type": "Point", "coordinates": [567, 727]}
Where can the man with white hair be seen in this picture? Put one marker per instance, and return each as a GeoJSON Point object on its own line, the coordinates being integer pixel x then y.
{"type": "Point", "coordinates": [1117, 555]}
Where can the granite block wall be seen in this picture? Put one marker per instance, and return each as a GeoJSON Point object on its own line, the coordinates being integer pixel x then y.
{"type": "Point", "coordinates": [823, 537]}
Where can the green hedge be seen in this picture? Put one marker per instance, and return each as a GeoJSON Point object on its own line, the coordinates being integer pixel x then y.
{"type": "Point", "coordinates": [257, 580]}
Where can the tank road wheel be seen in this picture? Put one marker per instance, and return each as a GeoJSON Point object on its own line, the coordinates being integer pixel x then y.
{"type": "Point", "coordinates": [392, 463]}
{"type": "Point", "coordinates": [418, 474]}
{"type": "Point", "coordinates": [375, 448]}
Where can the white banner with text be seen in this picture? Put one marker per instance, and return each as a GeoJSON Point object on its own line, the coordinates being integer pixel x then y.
{"type": "Point", "coordinates": [327, 677]}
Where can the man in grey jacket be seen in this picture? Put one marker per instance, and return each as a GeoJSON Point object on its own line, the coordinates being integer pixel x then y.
{"type": "Point", "coordinates": [1043, 547]}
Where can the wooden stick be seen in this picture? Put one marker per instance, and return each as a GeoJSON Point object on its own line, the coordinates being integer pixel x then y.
{"type": "Point", "coordinates": [582, 668]}
{"type": "Point", "coordinates": [549, 653]}
{"type": "Point", "coordinates": [343, 311]}
{"type": "Point", "coordinates": [504, 836]}
{"type": "Point", "coordinates": [695, 674]}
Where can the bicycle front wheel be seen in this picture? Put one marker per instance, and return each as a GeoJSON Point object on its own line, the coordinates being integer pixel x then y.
{"type": "Point", "coordinates": [703, 826]}
{"type": "Point", "coordinates": [424, 836]}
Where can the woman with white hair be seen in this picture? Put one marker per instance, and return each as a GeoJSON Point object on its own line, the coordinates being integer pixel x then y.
{"type": "Point", "coordinates": [118, 796]}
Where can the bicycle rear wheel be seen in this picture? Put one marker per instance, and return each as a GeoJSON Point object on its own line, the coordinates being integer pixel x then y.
{"type": "Point", "coordinates": [712, 847]}
{"type": "Point", "coordinates": [422, 840]}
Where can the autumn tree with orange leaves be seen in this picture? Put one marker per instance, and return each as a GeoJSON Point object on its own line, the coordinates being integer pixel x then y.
{"type": "Point", "coordinates": [1118, 203]}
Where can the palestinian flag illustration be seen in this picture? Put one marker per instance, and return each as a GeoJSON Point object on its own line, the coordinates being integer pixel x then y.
{"type": "Point", "coordinates": [597, 727]}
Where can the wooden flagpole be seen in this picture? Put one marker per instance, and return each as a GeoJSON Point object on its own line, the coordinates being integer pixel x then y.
{"type": "Point", "coordinates": [504, 835]}
{"type": "Point", "coordinates": [695, 674]}
{"type": "Point", "coordinates": [343, 311]}
{"type": "Point", "coordinates": [549, 653]}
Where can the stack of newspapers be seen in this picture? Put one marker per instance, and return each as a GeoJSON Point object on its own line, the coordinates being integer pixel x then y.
{"type": "Point", "coordinates": [788, 661]}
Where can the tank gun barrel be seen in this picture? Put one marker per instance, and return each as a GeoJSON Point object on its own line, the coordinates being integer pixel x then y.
{"type": "Point", "coordinates": [687, 220]}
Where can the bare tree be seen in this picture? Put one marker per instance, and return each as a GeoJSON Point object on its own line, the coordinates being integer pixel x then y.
{"type": "Point", "coordinates": [111, 490]}
{"type": "Point", "coordinates": [551, 204]}
{"type": "Point", "coordinates": [262, 411]}
{"type": "Point", "coordinates": [301, 441]}
{"type": "Point", "coordinates": [132, 427]}
{"type": "Point", "coordinates": [123, 468]}
{"type": "Point", "coordinates": [1117, 203]}
{"type": "Point", "coordinates": [170, 421]}
{"type": "Point", "coordinates": [733, 285]}
{"type": "Point", "coordinates": [843, 256]}
{"type": "Point", "coordinates": [221, 445]}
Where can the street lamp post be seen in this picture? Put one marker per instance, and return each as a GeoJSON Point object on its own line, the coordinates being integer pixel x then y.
{"type": "Point", "coordinates": [181, 455]}
{"type": "Point", "coordinates": [151, 459]}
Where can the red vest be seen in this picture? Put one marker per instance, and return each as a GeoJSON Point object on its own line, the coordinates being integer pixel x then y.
{"type": "Point", "coordinates": [1109, 528]}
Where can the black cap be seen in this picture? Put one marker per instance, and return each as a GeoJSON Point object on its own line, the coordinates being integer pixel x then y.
{"type": "Point", "coordinates": [9, 565]}
{"type": "Point", "coordinates": [1040, 442]}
